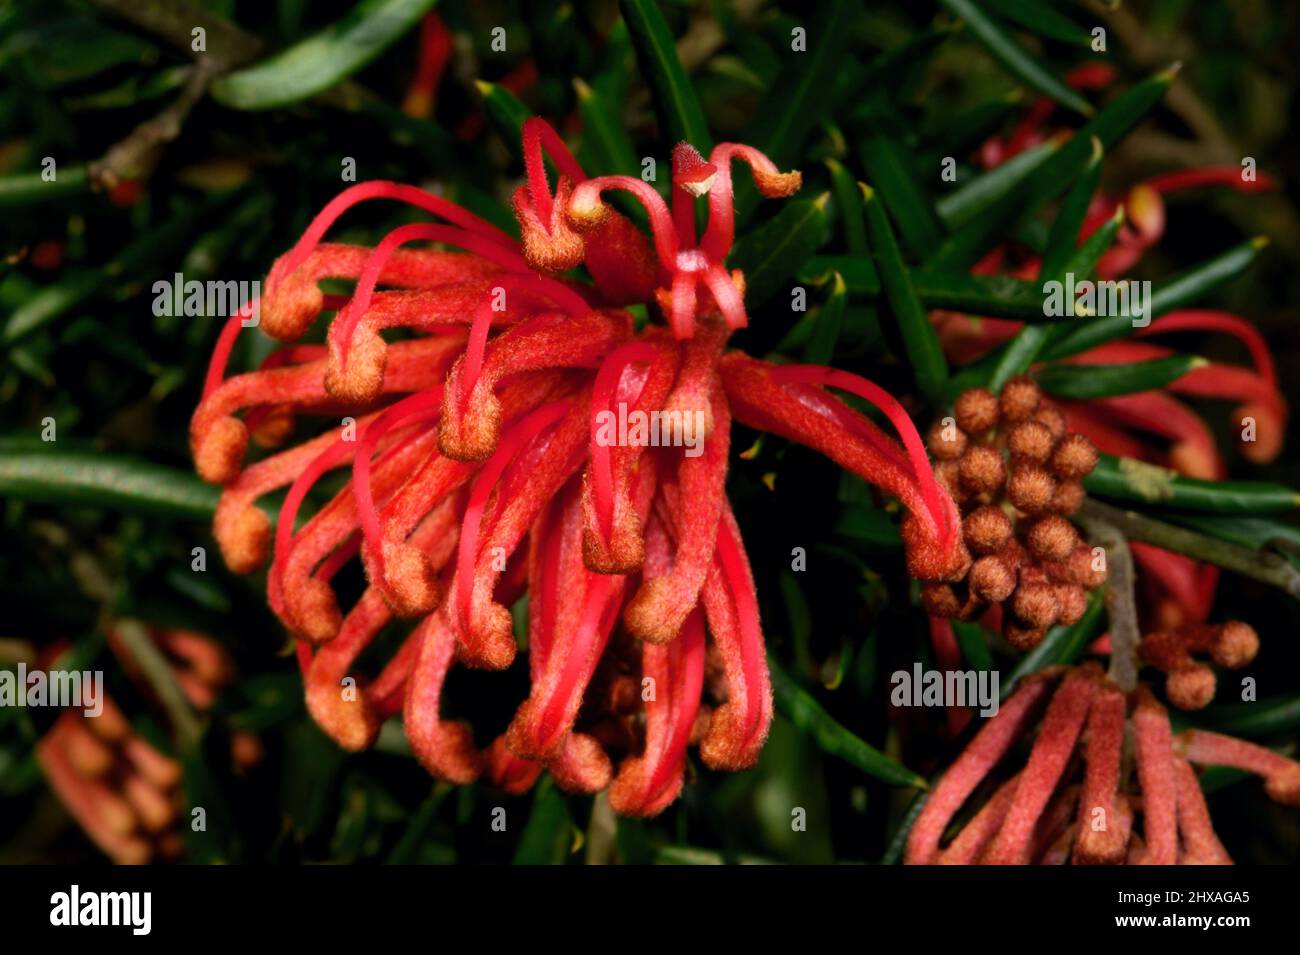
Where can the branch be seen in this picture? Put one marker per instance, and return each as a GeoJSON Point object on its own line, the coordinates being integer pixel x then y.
{"type": "Point", "coordinates": [160, 677]}
{"type": "Point", "coordinates": [135, 156]}
{"type": "Point", "coordinates": [1121, 605]}
{"type": "Point", "coordinates": [175, 20]}
{"type": "Point", "coordinates": [1262, 566]}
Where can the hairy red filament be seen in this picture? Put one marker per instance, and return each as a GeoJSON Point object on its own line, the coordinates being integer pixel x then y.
{"type": "Point", "coordinates": [416, 232]}
{"type": "Point", "coordinates": [511, 443]}
{"type": "Point", "coordinates": [530, 285]}
{"type": "Point", "coordinates": [721, 231]}
{"type": "Point", "coordinates": [380, 189]}
{"type": "Point", "coordinates": [587, 210]}
{"type": "Point", "coordinates": [943, 517]}
{"type": "Point", "coordinates": [538, 136]}
{"type": "Point", "coordinates": [422, 406]}
{"type": "Point", "coordinates": [602, 395]}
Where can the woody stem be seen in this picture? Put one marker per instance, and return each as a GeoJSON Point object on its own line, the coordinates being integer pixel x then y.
{"type": "Point", "coordinates": [1258, 565]}
{"type": "Point", "coordinates": [1120, 602]}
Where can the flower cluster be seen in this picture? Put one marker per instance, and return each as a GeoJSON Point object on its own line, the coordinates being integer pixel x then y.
{"type": "Point", "coordinates": [478, 476]}
{"type": "Point", "coordinates": [1152, 813]}
{"type": "Point", "coordinates": [121, 790]}
{"type": "Point", "coordinates": [1155, 425]}
{"type": "Point", "coordinates": [1016, 474]}
{"type": "Point", "coordinates": [1189, 683]}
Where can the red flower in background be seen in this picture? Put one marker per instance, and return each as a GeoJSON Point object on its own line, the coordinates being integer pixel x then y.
{"type": "Point", "coordinates": [1043, 815]}
{"type": "Point", "coordinates": [481, 471]}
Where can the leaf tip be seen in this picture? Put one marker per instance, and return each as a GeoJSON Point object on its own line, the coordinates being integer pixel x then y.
{"type": "Point", "coordinates": [1097, 152]}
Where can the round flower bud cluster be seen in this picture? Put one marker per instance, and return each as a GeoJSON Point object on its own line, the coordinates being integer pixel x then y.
{"type": "Point", "coordinates": [1016, 474]}
{"type": "Point", "coordinates": [1189, 683]}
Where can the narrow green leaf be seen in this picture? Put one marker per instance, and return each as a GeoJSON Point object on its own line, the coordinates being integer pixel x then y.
{"type": "Point", "coordinates": [890, 64]}
{"type": "Point", "coordinates": [87, 479]}
{"type": "Point", "coordinates": [1063, 237]}
{"type": "Point", "coordinates": [1191, 285]}
{"type": "Point", "coordinates": [1014, 58]}
{"type": "Point", "coordinates": [1262, 718]}
{"type": "Point", "coordinates": [798, 100]}
{"type": "Point", "coordinates": [887, 167]}
{"type": "Point", "coordinates": [694, 855]}
{"type": "Point", "coordinates": [1085, 258]}
{"type": "Point", "coordinates": [548, 833]}
{"type": "Point", "coordinates": [605, 143]}
{"type": "Point", "coordinates": [809, 716]}
{"type": "Point", "coordinates": [993, 296]}
{"type": "Point", "coordinates": [826, 327]}
{"type": "Point", "coordinates": [974, 646]}
{"type": "Point", "coordinates": [1017, 355]}
{"type": "Point", "coordinates": [1125, 479]}
{"type": "Point", "coordinates": [322, 60]}
{"type": "Point", "coordinates": [857, 270]}
{"type": "Point", "coordinates": [1256, 533]}
{"type": "Point", "coordinates": [1041, 18]}
{"type": "Point", "coordinates": [898, 841]}
{"type": "Point", "coordinates": [679, 111]}
{"type": "Point", "coordinates": [506, 113]}
{"type": "Point", "coordinates": [1182, 290]}
{"type": "Point", "coordinates": [848, 204]}
{"type": "Point", "coordinates": [775, 252]}
{"type": "Point", "coordinates": [965, 246]}
{"type": "Point", "coordinates": [1104, 381]}
{"type": "Point", "coordinates": [920, 340]}
{"type": "Point", "coordinates": [52, 301]}
{"type": "Point", "coordinates": [29, 188]}
{"type": "Point", "coordinates": [972, 197]}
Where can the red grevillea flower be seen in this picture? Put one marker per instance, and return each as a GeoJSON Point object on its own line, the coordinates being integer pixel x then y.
{"type": "Point", "coordinates": [1053, 810]}
{"type": "Point", "coordinates": [483, 469]}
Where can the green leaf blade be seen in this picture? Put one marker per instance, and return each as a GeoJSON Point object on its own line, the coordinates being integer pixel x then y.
{"type": "Point", "coordinates": [323, 60]}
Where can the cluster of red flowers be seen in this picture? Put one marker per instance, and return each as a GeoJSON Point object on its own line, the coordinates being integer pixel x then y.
{"type": "Point", "coordinates": [1016, 474]}
{"type": "Point", "coordinates": [478, 477]}
{"type": "Point", "coordinates": [122, 791]}
{"type": "Point", "coordinates": [1043, 814]}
